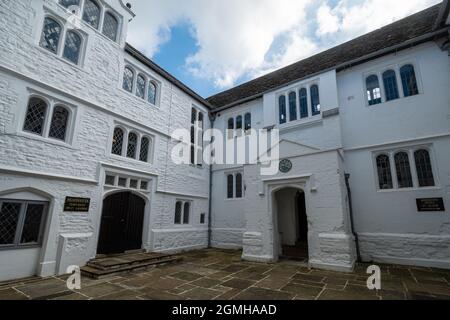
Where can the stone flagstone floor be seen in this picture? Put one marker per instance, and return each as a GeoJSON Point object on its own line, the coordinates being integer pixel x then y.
{"type": "Point", "coordinates": [221, 275]}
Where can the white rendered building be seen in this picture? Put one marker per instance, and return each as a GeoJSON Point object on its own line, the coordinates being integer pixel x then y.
{"type": "Point", "coordinates": [85, 144]}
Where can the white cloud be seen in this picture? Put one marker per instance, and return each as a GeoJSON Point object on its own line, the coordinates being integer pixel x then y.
{"type": "Point", "coordinates": [236, 38]}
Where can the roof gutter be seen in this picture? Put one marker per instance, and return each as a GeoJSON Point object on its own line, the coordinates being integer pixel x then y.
{"type": "Point", "coordinates": [348, 64]}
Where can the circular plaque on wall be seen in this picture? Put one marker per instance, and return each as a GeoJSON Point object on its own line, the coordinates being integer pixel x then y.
{"type": "Point", "coordinates": [285, 165]}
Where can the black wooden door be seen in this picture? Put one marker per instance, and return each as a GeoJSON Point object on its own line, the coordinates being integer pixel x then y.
{"type": "Point", "coordinates": [122, 223]}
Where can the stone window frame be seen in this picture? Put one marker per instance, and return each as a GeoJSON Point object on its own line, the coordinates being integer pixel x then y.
{"type": "Point", "coordinates": [21, 222]}
{"type": "Point", "coordinates": [190, 214]}
{"type": "Point", "coordinates": [104, 9]}
{"type": "Point", "coordinates": [410, 150]}
{"type": "Point", "coordinates": [148, 80]}
{"type": "Point", "coordinates": [140, 135]}
{"type": "Point", "coordinates": [52, 103]}
{"type": "Point", "coordinates": [196, 158]}
{"type": "Point", "coordinates": [396, 67]}
{"type": "Point", "coordinates": [128, 177]}
{"type": "Point", "coordinates": [234, 173]}
{"type": "Point", "coordinates": [65, 28]}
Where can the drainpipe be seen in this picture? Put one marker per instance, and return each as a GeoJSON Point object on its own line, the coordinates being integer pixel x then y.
{"type": "Point", "coordinates": [212, 118]}
{"type": "Point", "coordinates": [352, 224]}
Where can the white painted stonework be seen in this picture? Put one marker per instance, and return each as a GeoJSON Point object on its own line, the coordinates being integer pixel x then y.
{"type": "Point", "coordinates": [343, 139]}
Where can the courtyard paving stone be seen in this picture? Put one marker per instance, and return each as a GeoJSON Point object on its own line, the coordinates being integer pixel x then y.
{"type": "Point", "coordinates": [222, 275]}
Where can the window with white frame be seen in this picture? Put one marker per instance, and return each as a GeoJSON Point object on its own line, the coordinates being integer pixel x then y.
{"type": "Point", "coordinates": [235, 185]}
{"type": "Point", "coordinates": [182, 212]}
{"type": "Point", "coordinates": [140, 84]}
{"type": "Point", "coordinates": [95, 14]}
{"type": "Point", "coordinates": [53, 32]}
{"type": "Point", "coordinates": [196, 137]}
{"type": "Point", "coordinates": [298, 103]}
{"type": "Point", "coordinates": [239, 124]}
{"type": "Point", "coordinates": [48, 120]}
{"type": "Point", "coordinates": [391, 78]}
{"type": "Point", "coordinates": [116, 180]}
{"type": "Point", "coordinates": [131, 144]}
{"type": "Point", "coordinates": [22, 223]}
{"type": "Point", "coordinates": [405, 168]}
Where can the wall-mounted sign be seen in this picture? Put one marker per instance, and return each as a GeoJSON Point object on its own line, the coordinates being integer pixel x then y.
{"type": "Point", "coordinates": [430, 204]}
{"type": "Point", "coordinates": [77, 204]}
{"type": "Point", "coordinates": [285, 165]}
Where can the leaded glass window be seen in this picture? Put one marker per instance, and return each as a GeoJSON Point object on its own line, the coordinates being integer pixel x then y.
{"type": "Point", "coordinates": [409, 80]}
{"type": "Point", "coordinates": [390, 85]}
{"type": "Point", "coordinates": [145, 146]}
{"type": "Point", "coordinates": [384, 172]}
{"type": "Point", "coordinates": [238, 185]}
{"type": "Point", "coordinates": [403, 169]}
{"type": "Point", "coordinates": [91, 13]}
{"type": "Point", "coordinates": [315, 100]}
{"type": "Point", "coordinates": [32, 224]}
{"type": "Point", "coordinates": [72, 47]}
{"type": "Point", "coordinates": [303, 97]}
{"type": "Point", "coordinates": [110, 26]}
{"type": "Point", "coordinates": [193, 116]}
{"type": "Point", "coordinates": [187, 209]}
{"type": "Point", "coordinates": [132, 145]}
{"type": "Point", "coordinates": [51, 34]}
{"type": "Point", "coordinates": [373, 90]}
{"type": "Point", "coordinates": [152, 93]}
{"type": "Point", "coordinates": [248, 121]}
{"type": "Point", "coordinates": [292, 106]}
{"type": "Point", "coordinates": [178, 209]}
{"type": "Point", "coordinates": [128, 78]}
{"type": "Point", "coordinates": [424, 168]}
{"type": "Point", "coordinates": [69, 3]}
{"type": "Point", "coordinates": [230, 128]}
{"type": "Point", "coordinates": [117, 143]}
{"type": "Point", "coordinates": [282, 109]}
{"type": "Point", "coordinates": [9, 219]}
{"type": "Point", "coordinates": [58, 126]}
{"type": "Point", "coordinates": [35, 117]}
{"type": "Point", "coordinates": [230, 187]}
{"type": "Point", "coordinates": [239, 123]}
{"type": "Point", "coordinates": [140, 86]}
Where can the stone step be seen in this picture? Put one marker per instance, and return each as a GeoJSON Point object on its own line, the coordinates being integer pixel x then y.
{"type": "Point", "coordinates": [97, 273]}
{"type": "Point", "coordinates": [18, 282]}
{"type": "Point", "coordinates": [120, 261]}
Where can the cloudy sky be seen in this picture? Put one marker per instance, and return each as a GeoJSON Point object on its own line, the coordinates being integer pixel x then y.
{"type": "Point", "coordinates": [212, 45]}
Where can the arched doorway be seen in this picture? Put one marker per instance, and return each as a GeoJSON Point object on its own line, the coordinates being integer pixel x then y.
{"type": "Point", "coordinates": [292, 223]}
{"type": "Point", "coordinates": [122, 223]}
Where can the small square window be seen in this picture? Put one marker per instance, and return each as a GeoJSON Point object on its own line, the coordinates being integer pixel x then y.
{"type": "Point", "coordinates": [133, 184]}
{"type": "Point", "coordinates": [123, 182]}
{"type": "Point", "coordinates": [110, 180]}
{"type": "Point", "coordinates": [144, 185]}
{"type": "Point", "coordinates": [203, 218]}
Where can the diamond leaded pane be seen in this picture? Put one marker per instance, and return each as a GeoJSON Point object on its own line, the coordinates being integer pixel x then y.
{"type": "Point", "coordinates": [152, 93]}
{"type": "Point", "coordinates": [403, 168]}
{"type": "Point", "coordinates": [424, 168]}
{"type": "Point", "coordinates": [58, 126]}
{"type": "Point", "coordinates": [140, 87]}
{"type": "Point", "coordinates": [132, 145]}
{"type": "Point", "coordinates": [51, 33]}
{"type": "Point", "coordinates": [117, 143]}
{"type": "Point", "coordinates": [69, 3]}
{"type": "Point", "coordinates": [145, 144]}
{"type": "Point", "coordinates": [9, 218]}
{"type": "Point", "coordinates": [34, 120]}
{"type": "Point", "coordinates": [128, 76]}
{"type": "Point", "coordinates": [384, 172]}
{"type": "Point", "coordinates": [91, 13]}
{"type": "Point", "coordinates": [32, 224]}
{"type": "Point", "coordinates": [110, 26]}
{"type": "Point", "coordinates": [72, 47]}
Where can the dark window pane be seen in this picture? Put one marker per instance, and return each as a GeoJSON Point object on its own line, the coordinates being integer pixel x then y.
{"type": "Point", "coordinates": [91, 13]}
{"type": "Point", "coordinates": [32, 225]}
{"type": "Point", "coordinates": [239, 123]}
{"type": "Point", "coordinates": [303, 97]}
{"type": "Point", "coordinates": [178, 208]}
{"type": "Point", "coordinates": [384, 172]}
{"type": "Point", "coordinates": [128, 78]}
{"type": "Point", "coordinates": [373, 90]}
{"type": "Point", "coordinates": [239, 185]}
{"type": "Point", "coordinates": [390, 85]}
{"type": "Point", "coordinates": [248, 121]}
{"type": "Point", "coordinates": [203, 218]}
{"type": "Point", "coordinates": [51, 34]}
{"type": "Point", "coordinates": [187, 207]}
{"type": "Point", "coordinates": [110, 26]}
{"type": "Point", "coordinates": [230, 188]}
{"type": "Point", "coordinates": [117, 143]}
{"type": "Point", "coordinates": [34, 120]}
{"type": "Point", "coordinates": [282, 109]}
{"type": "Point", "coordinates": [424, 168]}
{"type": "Point", "coordinates": [152, 93]}
{"type": "Point", "coordinates": [315, 100]}
{"type": "Point", "coordinates": [58, 126]}
{"type": "Point", "coordinates": [132, 145]}
{"type": "Point", "coordinates": [292, 106]}
{"type": "Point", "coordinates": [192, 155]}
{"type": "Point", "coordinates": [403, 169]}
{"type": "Point", "coordinates": [9, 218]}
{"type": "Point", "coordinates": [145, 146]}
{"type": "Point", "coordinates": [140, 86]}
{"type": "Point", "coordinates": [409, 81]}
{"type": "Point", "coordinates": [69, 3]}
{"type": "Point", "coordinates": [231, 124]}
{"type": "Point", "coordinates": [72, 47]}
{"type": "Point", "coordinates": [193, 116]}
